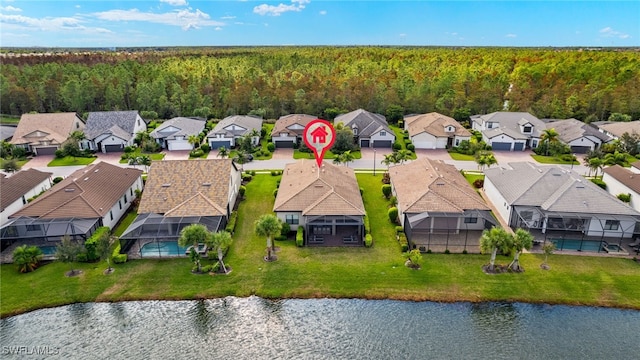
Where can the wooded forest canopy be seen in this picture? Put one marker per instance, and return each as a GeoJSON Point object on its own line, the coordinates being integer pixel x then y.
{"type": "Point", "coordinates": [588, 85]}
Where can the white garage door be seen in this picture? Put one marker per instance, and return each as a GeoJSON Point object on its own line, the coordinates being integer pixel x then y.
{"type": "Point", "coordinates": [424, 144]}
{"type": "Point", "coordinates": [179, 145]}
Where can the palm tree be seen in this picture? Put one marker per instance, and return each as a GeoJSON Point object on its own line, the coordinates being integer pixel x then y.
{"type": "Point", "coordinates": [223, 152]}
{"type": "Point", "coordinates": [493, 240]}
{"type": "Point", "coordinates": [193, 235]}
{"type": "Point", "coordinates": [269, 226]}
{"type": "Point", "coordinates": [595, 164]}
{"type": "Point", "coordinates": [347, 157]}
{"type": "Point", "coordinates": [146, 161]}
{"type": "Point", "coordinates": [548, 136]}
{"type": "Point", "coordinates": [616, 158]}
{"type": "Point", "coordinates": [220, 241]}
{"type": "Point", "coordinates": [78, 136]}
{"type": "Point", "coordinates": [194, 140]}
{"type": "Point", "coordinates": [547, 249]}
{"type": "Point", "coordinates": [27, 258]}
{"type": "Point", "coordinates": [402, 155]}
{"type": "Point", "coordinates": [390, 159]}
{"type": "Point", "coordinates": [521, 240]}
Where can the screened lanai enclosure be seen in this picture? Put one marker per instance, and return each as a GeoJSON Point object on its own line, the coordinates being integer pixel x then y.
{"type": "Point", "coordinates": [455, 232]}
{"type": "Point", "coordinates": [577, 231]}
{"type": "Point", "coordinates": [160, 230]}
{"type": "Point", "coordinates": [45, 231]}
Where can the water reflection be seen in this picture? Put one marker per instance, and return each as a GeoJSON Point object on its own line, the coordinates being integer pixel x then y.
{"type": "Point", "coordinates": [255, 328]}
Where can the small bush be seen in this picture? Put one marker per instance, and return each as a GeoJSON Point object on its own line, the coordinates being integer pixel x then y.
{"type": "Point", "coordinates": [206, 148]}
{"type": "Point", "coordinates": [247, 177]}
{"type": "Point", "coordinates": [446, 251]}
{"type": "Point", "coordinates": [404, 243]}
{"type": "Point", "coordinates": [478, 183]}
{"type": "Point", "coordinates": [624, 197]}
{"type": "Point", "coordinates": [393, 201]}
{"type": "Point", "coordinates": [196, 153]}
{"type": "Point", "coordinates": [231, 225]}
{"type": "Point", "coordinates": [411, 147]}
{"type": "Point", "coordinates": [397, 146]}
{"type": "Point", "coordinates": [300, 236]}
{"type": "Point", "coordinates": [465, 251]}
{"type": "Point", "coordinates": [207, 268]}
{"type": "Point", "coordinates": [361, 191]}
{"type": "Point", "coordinates": [82, 257]}
{"type": "Point", "coordinates": [400, 124]}
{"type": "Point", "coordinates": [91, 243]}
{"type": "Point", "coordinates": [57, 179]}
{"type": "Point", "coordinates": [393, 214]}
{"type": "Point", "coordinates": [275, 192]}
{"type": "Point", "coordinates": [286, 228]}
{"type": "Point", "coordinates": [399, 229]}
{"type": "Point", "coordinates": [368, 240]}
{"type": "Point", "coordinates": [120, 259]}
{"type": "Point", "coordinates": [278, 183]}
{"type": "Point", "coordinates": [59, 154]}
{"type": "Point", "coordinates": [124, 156]}
{"type": "Point", "coordinates": [252, 172]}
{"type": "Point", "coordinates": [271, 147]}
{"type": "Point", "coordinates": [129, 149]}
{"type": "Point", "coordinates": [367, 225]}
{"type": "Point", "coordinates": [274, 173]}
{"type": "Point", "coordinates": [242, 190]}
{"type": "Point", "coordinates": [386, 190]}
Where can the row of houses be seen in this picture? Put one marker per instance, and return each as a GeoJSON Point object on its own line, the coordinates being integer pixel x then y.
{"type": "Point", "coordinates": [111, 131]}
{"type": "Point", "coordinates": [438, 208]}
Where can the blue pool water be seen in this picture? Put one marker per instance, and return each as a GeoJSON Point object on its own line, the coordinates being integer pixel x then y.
{"type": "Point", "coordinates": [579, 245]}
{"type": "Point", "coordinates": [162, 248]}
{"type": "Point", "coordinates": [48, 250]}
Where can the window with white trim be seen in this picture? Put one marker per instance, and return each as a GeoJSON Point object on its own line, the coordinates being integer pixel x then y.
{"type": "Point", "coordinates": [292, 219]}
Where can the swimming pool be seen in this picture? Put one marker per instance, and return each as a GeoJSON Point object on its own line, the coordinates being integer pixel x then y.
{"type": "Point", "coordinates": [577, 245]}
{"type": "Point", "coordinates": [48, 250]}
{"type": "Point", "coordinates": [162, 248]}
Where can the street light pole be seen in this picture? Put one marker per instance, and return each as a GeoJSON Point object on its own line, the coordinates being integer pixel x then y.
{"type": "Point", "coordinates": [374, 162]}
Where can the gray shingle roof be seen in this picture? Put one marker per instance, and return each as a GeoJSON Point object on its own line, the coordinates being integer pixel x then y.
{"type": "Point", "coordinates": [553, 188]}
{"type": "Point", "coordinates": [572, 129]}
{"type": "Point", "coordinates": [186, 127]}
{"type": "Point", "coordinates": [367, 123]}
{"type": "Point", "coordinates": [619, 128]}
{"type": "Point", "coordinates": [247, 122]}
{"type": "Point", "coordinates": [103, 122]}
{"type": "Point", "coordinates": [512, 120]}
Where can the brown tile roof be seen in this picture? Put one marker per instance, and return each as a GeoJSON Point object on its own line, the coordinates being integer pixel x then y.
{"type": "Point", "coordinates": [12, 188]}
{"type": "Point", "coordinates": [282, 124]}
{"type": "Point", "coordinates": [627, 177]}
{"type": "Point", "coordinates": [56, 127]}
{"type": "Point", "coordinates": [332, 191]}
{"type": "Point", "coordinates": [432, 185]}
{"type": "Point", "coordinates": [87, 193]}
{"type": "Point", "coordinates": [434, 123]}
{"type": "Point", "coordinates": [188, 188]}
{"type": "Point", "coordinates": [619, 128]}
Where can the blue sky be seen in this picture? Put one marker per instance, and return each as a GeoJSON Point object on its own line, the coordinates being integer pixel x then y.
{"type": "Point", "coordinates": [111, 23]}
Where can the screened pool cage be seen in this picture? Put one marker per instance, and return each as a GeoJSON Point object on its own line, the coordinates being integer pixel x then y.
{"type": "Point", "coordinates": [45, 231]}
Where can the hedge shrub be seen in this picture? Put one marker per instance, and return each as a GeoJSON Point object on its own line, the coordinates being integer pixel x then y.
{"type": "Point", "coordinates": [368, 240]}
{"type": "Point", "coordinates": [116, 256]}
{"type": "Point", "coordinates": [399, 229]}
{"type": "Point", "coordinates": [247, 177]}
{"type": "Point", "coordinates": [393, 214]}
{"type": "Point", "coordinates": [397, 146]}
{"type": "Point", "coordinates": [91, 244]}
{"type": "Point", "coordinates": [404, 243]}
{"type": "Point", "coordinates": [411, 147]}
{"type": "Point", "coordinates": [300, 236]}
{"type": "Point", "coordinates": [600, 183]}
{"type": "Point", "coordinates": [386, 190]}
{"type": "Point", "coordinates": [231, 225]}
{"type": "Point", "coordinates": [367, 225]}
{"type": "Point", "coordinates": [242, 190]}
{"type": "Point", "coordinates": [271, 147]}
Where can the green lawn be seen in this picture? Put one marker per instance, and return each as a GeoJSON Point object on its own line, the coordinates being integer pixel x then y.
{"type": "Point", "coordinates": [20, 162]}
{"type": "Point", "coordinates": [9, 120]}
{"type": "Point", "coordinates": [71, 161]}
{"type": "Point", "coordinates": [124, 223]}
{"type": "Point", "coordinates": [137, 152]}
{"type": "Point", "coordinates": [471, 177]}
{"type": "Point", "coordinates": [375, 273]}
{"type": "Point", "coordinates": [552, 160]}
{"type": "Point", "coordinates": [461, 157]}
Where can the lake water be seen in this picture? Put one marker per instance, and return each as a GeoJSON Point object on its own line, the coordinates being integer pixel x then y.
{"type": "Point", "coordinates": [255, 328]}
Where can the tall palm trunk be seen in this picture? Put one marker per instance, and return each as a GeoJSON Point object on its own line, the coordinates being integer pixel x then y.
{"type": "Point", "coordinates": [493, 259]}
{"type": "Point", "coordinates": [515, 264]}
{"type": "Point", "coordinates": [220, 260]}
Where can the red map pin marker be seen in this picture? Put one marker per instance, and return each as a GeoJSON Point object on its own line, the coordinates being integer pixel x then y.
{"type": "Point", "coordinates": [319, 135]}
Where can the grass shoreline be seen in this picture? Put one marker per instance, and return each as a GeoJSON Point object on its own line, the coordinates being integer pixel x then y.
{"type": "Point", "coordinates": [366, 273]}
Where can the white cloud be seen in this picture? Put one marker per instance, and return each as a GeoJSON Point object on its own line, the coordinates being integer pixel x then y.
{"type": "Point", "coordinates": [175, 2]}
{"type": "Point", "coordinates": [609, 32]}
{"type": "Point", "coordinates": [273, 10]}
{"type": "Point", "coordinates": [10, 8]}
{"type": "Point", "coordinates": [511, 35]}
{"type": "Point", "coordinates": [228, 17]}
{"type": "Point", "coordinates": [186, 18]}
{"type": "Point", "coordinates": [218, 28]}
{"type": "Point", "coordinates": [48, 24]}
{"type": "Point", "coordinates": [323, 12]}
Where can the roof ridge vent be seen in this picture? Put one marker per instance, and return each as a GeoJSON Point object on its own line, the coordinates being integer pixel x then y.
{"type": "Point", "coordinates": [166, 184]}
{"type": "Point", "coordinates": [69, 190]}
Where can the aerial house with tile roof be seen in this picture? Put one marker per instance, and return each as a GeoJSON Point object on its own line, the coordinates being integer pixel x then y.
{"type": "Point", "coordinates": [513, 131]}
{"type": "Point", "coordinates": [179, 193]}
{"type": "Point", "coordinates": [370, 129]}
{"type": "Point", "coordinates": [556, 203]}
{"type": "Point", "coordinates": [94, 196]}
{"type": "Point", "coordinates": [435, 131]}
{"type": "Point", "coordinates": [326, 202]}
{"type": "Point", "coordinates": [174, 134]}
{"type": "Point", "coordinates": [438, 208]}
{"type": "Point", "coordinates": [288, 129]}
{"type": "Point", "coordinates": [43, 134]}
{"type": "Point", "coordinates": [228, 130]}
{"type": "Point", "coordinates": [621, 180]}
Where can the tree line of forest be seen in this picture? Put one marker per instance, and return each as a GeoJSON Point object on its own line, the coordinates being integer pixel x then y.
{"type": "Point", "coordinates": [587, 85]}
